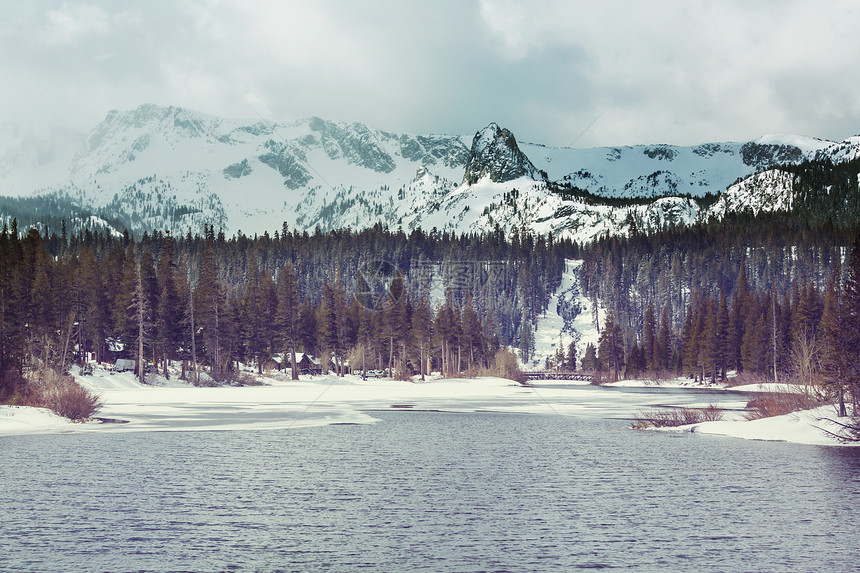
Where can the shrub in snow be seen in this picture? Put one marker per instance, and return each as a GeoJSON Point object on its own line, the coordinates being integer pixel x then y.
{"type": "Point", "coordinates": [61, 394]}
{"type": "Point", "coordinates": [671, 417]}
{"type": "Point", "coordinates": [237, 378]}
{"type": "Point", "coordinates": [779, 403]}
{"type": "Point", "coordinates": [505, 365]}
{"type": "Point", "coordinates": [73, 401]}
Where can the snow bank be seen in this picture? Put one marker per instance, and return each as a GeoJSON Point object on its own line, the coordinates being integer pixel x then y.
{"type": "Point", "coordinates": [25, 420]}
{"type": "Point", "coordinates": [798, 427]}
{"type": "Point", "coordinates": [771, 387]}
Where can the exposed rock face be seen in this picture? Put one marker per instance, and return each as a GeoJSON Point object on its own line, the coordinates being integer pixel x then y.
{"type": "Point", "coordinates": [434, 149]}
{"type": "Point", "coordinates": [760, 155]}
{"type": "Point", "coordinates": [356, 143]}
{"type": "Point", "coordinates": [495, 153]}
{"type": "Point", "coordinates": [288, 162]}
{"type": "Point", "coordinates": [241, 169]}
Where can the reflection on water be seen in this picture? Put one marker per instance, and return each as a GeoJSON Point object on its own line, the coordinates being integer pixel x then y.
{"type": "Point", "coordinates": [431, 491]}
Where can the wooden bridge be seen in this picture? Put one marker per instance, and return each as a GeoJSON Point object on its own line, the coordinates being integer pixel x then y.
{"type": "Point", "coordinates": [560, 375]}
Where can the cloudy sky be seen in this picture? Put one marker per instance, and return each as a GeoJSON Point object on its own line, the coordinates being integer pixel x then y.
{"type": "Point", "coordinates": [555, 72]}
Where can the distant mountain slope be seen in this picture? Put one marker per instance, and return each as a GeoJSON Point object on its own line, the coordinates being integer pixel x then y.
{"type": "Point", "coordinates": [174, 169]}
{"type": "Point", "coordinates": [660, 170]}
{"type": "Point", "coordinates": [177, 169]}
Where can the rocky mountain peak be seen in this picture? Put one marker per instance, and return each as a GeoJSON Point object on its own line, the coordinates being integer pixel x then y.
{"type": "Point", "coordinates": [495, 153]}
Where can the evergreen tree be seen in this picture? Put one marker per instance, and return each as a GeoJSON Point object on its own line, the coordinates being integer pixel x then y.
{"type": "Point", "coordinates": [663, 347]}
{"type": "Point", "coordinates": [253, 318]}
{"type": "Point", "coordinates": [688, 344]}
{"type": "Point", "coordinates": [12, 334]}
{"type": "Point", "coordinates": [709, 351]}
{"type": "Point", "coordinates": [649, 337]}
{"type": "Point", "coordinates": [636, 362]}
{"type": "Point", "coordinates": [288, 314]}
{"type": "Point", "coordinates": [527, 340]}
{"type": "Point", "coordinates": [589, 359]}
{"type": "Point", "coordinates": [721, 337]}
{"type": "Point", "coordinates": [422, 322]}
{"type": "Point", "coordinates": [570, 360]}
{"type": "Point", "coordinates": [124, 321]}
{"type": "Point", "coordinates": [834, 353]}
{"type": "Point", "coordinates": [42, 318]}
{"type": "Point", "coordinates": [268, 309]}
{"type": "Point", "coordinates": [139, 311]}
{"type": "Point", "coordinates": [445, 327]}
{"type": "Point", "coordinates": [851, 326]}
{"type": "Point", "coordinates": [168, 314]}
{"type": "Point", "coordinates": [308, 328]}
{"type": "Point", "coordinates": [148, 286]}
{"type": "Point", "coordinates": [471, 333]}
{"type": "Point", "coordinates": [209, 307]}
{"type": "Point", "coordinates": [610, 349]}
{"type": "Point", "coordinates": [397, 325]}
{"type": "Point", "coordinates": [738, 320]}
{"type": "Point", "coordinates": [333, 321]}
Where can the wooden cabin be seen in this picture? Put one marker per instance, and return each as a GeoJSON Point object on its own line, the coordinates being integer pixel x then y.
{"type": "Point", "coordinates": [308, 364]}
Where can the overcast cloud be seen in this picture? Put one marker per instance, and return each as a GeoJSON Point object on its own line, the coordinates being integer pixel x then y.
{"type": "Point", "coordinates": [663, 71]}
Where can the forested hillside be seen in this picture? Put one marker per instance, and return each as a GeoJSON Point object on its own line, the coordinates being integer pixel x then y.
{"type": "Point", "coordinates": [705, 299]}
{"type": "Point", "coordinates": [774, 294]}
{"type": "Point", "coordinates": [389, 297]}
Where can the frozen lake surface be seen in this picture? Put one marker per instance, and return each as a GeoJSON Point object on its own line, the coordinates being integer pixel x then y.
{"type": "Point", "coordinates": [436, 491]}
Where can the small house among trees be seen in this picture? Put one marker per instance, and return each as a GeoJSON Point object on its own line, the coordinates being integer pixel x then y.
{"type": "Point", "coordinates": [275, 362]}
{"type": "Point", "coordinates": [309, 364]}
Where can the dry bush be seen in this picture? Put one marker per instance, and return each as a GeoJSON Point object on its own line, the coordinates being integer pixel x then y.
{"type": "Point", "coordinates": [235, 378]}
{"type": "Point", "coordinates": [61, 394]}
{"type": "Point", "coordinates": [711, 413]}
{"type": "Point", "coordinates": [745, 378]}
{"type": "Point", "coordinates": [671, 417]}
{"type": "Point", "coordinates": [657, 377]}
{"type": "Point", "coordinates": [505, 365]}
{"type": "Point", "coordinates": [779, 403]}
{"type": "Point", "coordinates": [73, 401]}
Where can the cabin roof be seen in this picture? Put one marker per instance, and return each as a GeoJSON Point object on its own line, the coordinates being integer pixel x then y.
{"type": "Point", "coordinates": [312, 359]}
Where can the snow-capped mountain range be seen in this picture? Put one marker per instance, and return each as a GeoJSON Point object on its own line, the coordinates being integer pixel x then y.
{"type": "Point", "coordinates": [174, 169]}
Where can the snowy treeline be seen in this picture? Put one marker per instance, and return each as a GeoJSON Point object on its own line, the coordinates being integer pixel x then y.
{"type": "Point", "coordinates": [375, 299]}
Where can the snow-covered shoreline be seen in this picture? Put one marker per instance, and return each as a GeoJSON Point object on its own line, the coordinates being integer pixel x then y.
{"type": "Point", "coordinates": [803, 427]}
{"type": "Point", "coordinates": [323, 400]}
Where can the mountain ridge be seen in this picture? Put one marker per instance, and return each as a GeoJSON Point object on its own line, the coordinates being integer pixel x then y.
{"type": "Point", "coordinates": [174, 169]}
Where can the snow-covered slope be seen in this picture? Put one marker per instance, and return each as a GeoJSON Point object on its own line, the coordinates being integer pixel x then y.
{"type": "Point", "coordinates": [659, 170]}
{"type": "Point", "coordinates": [175, 169]}
{"type": "Point", "coordinates": [570, 317]}
{"type": "Point", "coordinates": [770, 190]}
{"type": "Point", "coordinates": [178, 169]}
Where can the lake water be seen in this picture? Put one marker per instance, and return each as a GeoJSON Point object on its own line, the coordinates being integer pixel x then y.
{"type": "Point", "coordinates": [426, 491]}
